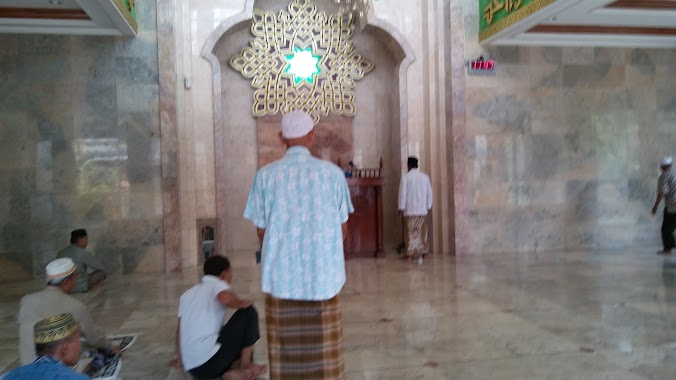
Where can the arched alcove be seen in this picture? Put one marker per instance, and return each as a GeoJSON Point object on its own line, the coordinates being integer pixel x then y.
{"type": "Point", "coordinates": [380, 128]}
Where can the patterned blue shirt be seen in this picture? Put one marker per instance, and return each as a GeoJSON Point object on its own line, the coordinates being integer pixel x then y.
{"type": "Point", "coordinates": [301, 202]}
{"type": "Point", "coordinates": [44, 368]}
{"type": "Point", "coordinates": [666, 185]}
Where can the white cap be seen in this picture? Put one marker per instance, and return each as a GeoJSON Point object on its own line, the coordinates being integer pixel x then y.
{"type": "Point", "coordinates": [296, 124]}
{"type": "Point", "coordinates": [666, 161]}
{"type": "Point", "coordinates": [60, 268]}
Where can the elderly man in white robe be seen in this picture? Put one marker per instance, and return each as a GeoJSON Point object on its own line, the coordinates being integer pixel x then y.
{"type": "Point", "coordinates": [415, 202]}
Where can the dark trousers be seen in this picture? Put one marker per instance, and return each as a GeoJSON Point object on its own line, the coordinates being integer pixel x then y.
{"type": "Point", "coordinates": [96, 278]}
{"type": "Point", "coordinates": [240, 332]}
{"type": "Point", "coordinates": [668, 227]}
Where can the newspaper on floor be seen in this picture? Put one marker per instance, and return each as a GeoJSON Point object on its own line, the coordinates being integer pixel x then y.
{"type": "Point", "coordinates": [113, 364]}
{"type": "Point", "coordinates": [124, 341]}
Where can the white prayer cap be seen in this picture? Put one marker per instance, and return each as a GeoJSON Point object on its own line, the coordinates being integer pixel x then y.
{"type": "Point", "coordinates": [666, 161]}
{"type": "Point", "coordinates": [296, 124]}
{"type": "Point", "coordinates": [60, 268]}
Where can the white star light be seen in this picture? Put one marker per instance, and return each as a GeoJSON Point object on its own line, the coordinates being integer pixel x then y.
{"type": "Point", "coordinates": [302, 65]}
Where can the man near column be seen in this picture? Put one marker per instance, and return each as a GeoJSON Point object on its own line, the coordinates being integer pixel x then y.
{"type": "Point", "coordinates": [57, 342]}
{"type": "Point", "coordinates": [666, 189]}
{"type": "Point", "coordinates": [300, 205]}
{"type": "Point", "coordinates": [90, 273]}
{"type": "Point", "coordinates": [206, 348]}
{"type": "Point", "coordinates": [53, 300]}
{"type": "Point", "coordinates": [415, 201]}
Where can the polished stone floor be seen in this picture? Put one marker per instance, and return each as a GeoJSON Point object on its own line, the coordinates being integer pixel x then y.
{"type": "Point", "coordinates": [578, 315]}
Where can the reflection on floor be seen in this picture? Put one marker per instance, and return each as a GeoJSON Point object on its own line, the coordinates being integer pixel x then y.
{"type": "Point", "coordinates": [546, 316]}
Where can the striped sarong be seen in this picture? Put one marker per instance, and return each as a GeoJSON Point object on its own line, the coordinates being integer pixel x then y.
{"type": "Point", "coordinates": [305, 339]}
{"type": "Point", "coordinates": [416, 236]}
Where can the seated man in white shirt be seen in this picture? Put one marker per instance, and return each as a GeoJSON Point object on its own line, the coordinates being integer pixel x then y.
{"type": "Point", "coordinates": [206, 348]}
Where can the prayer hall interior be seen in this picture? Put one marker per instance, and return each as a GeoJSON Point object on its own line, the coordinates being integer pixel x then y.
{"type": "Point", "coordinates": [540, 123]}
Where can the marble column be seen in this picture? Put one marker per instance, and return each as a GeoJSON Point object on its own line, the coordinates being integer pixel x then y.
{"type": "Point", "coordinates": [168, 128]}
{"type": "Point", "coordinates": [455, 119]}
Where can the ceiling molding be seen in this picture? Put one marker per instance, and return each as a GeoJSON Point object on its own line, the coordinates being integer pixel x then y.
{"type": "Point", "coordinates": [643, 4]}
{"type": "Point", "coordinates": [635, 23]}
{"type": "Point", "coordinates": [597, 29]}
{"type": "Point", "coordinates": [89, 17]}
{"type": "Point", "coordinates": [43, 14]}
{"type": "Point", "coordinates": [591, 40]}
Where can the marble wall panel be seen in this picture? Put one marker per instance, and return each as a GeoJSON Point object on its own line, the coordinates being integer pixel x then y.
{"type": "Point", "coordinates": [664, 75]}
{"type": "Point", "coordinates": [586, 126]}
{"type": "Point", "coordinates": [578, 55]}
{"type": "Point", "coordinates": [79, 147]}
{"type": "Point", "coordinates": [610, 55]}
{"type": "Point", "coordinates": [333, 139]}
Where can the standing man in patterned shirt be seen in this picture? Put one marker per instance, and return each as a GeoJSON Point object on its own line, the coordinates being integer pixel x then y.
{"type": "Point", "coordinates": [666, 189]}
{"type": "Point", "coordinates": [300, 205]}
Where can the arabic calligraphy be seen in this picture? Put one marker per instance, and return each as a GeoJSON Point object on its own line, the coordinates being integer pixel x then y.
{"type": "Point", "coordinates": [496, 6]}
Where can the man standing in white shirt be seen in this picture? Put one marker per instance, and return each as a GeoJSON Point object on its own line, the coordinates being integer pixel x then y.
{"type": "Point", "coordinates": [415, 201]}
{"type": "Point", "coordinates": [205, 347]}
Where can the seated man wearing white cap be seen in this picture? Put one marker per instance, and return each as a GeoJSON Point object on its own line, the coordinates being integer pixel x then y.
{"type": "Point", "coordinates": [57, 341]}
{"type": "Point", "coordinates": [666, 189]}
{"type": "Point", "coordinates": [55, 299]}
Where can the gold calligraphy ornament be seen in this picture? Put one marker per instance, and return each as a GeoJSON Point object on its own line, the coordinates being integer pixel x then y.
{"type": "Point", "coordinates": [302, 59]}
{"type": "Point", "coordinates": [496, 6]}
{"type": "Point", "coordinates": [512, 4]}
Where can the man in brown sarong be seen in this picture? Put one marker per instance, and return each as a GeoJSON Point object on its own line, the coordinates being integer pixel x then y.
{"type": "Point", "coordinates": [300, 205]}
{"type": "Point", "coordinates": [415, 201]}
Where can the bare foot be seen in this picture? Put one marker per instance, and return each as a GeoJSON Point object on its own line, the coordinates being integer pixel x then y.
{"type": "Point", "coordinates": [258, 369]}
{"type": "Point", "coordinates": [245, 374]}
{"type": "Point", "coordinates": [664, 253]}
{"type": "Point", "coordinates": [176, 363]}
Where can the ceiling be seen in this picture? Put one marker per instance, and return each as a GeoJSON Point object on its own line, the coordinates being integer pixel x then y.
{"type": "Point", "coordinates": [622, 23]}
{"type": "Point", "coordinates": [93, 17]}
{"type": "Point", "coordinates": [68, 4]}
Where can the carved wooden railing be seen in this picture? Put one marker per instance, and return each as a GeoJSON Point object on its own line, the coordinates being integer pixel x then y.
{"type": "Point", "coordinates": [352, 172]}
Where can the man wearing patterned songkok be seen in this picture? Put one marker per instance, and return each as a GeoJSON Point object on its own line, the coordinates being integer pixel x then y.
{"type": "Point", "coordinates": [55, 299]}
{"type": "Point", "coordinates": [89, 268]}
{"type": "Point", "coordinates": [415, 201]}
{"type": "Point", "coordinates": [300, 205]}
{"type": "Point", "coordinates": [666, 189]}
{"type": "Point", "coordinates": [57, 342]}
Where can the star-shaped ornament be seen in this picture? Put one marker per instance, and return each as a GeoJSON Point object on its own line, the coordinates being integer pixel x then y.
{"type": "Point", "coordinates": [302, 65]}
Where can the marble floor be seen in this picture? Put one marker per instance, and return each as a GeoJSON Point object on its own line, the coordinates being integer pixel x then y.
{"type": "Point", "coordinates": [574, 315]}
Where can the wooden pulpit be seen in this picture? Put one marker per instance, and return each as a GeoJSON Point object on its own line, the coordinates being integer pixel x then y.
{"type": "Point", "coordinates": [365, 226]}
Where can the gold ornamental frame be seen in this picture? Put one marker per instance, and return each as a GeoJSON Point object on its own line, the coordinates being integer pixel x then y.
{"type": "Point", "coordinates": [301, 29]}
